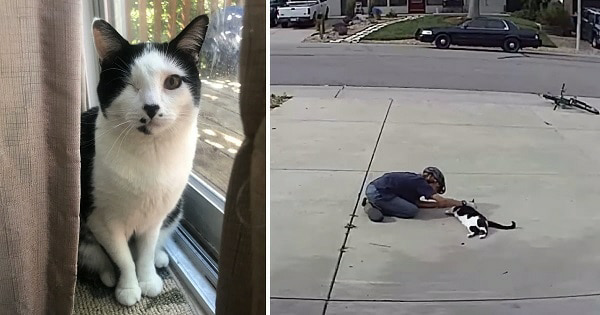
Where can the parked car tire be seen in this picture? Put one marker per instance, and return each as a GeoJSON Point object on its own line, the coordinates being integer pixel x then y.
{"type": "Point", "coordinates": [285, 24]}
{"type": "Point", "coordinates": [442, 41]}
{"type": "Point", "coordinates": [511, 45]}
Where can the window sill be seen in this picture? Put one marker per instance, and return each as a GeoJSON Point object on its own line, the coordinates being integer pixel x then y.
{"type": "Point", "coordinates": [194, 270]}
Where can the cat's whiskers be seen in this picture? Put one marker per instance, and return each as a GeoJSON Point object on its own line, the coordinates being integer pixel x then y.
{"type": "Point", "coordinates": [116, 68]}
{"type": "Point", "coordinates": [111, 148]}
{"type": "Point", "coordinates": [118, 78]}
{"type": "Point", "coordinates": [123, 62]}
{"type": "Point", "coordinates": [130, 128]}
{"type": "Point", "coordinates": [105, 132]}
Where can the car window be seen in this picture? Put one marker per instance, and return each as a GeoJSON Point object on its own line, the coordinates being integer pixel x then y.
{"type": "Point", "coordinates": [476, 24]}
{"type": "Point", "coordinates": [495, 24]}
{"type": "Point", "coordinates": [512, 25]}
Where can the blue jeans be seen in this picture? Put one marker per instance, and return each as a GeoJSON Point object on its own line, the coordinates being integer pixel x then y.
{"type": "Point", "coordinates": [391, 206]}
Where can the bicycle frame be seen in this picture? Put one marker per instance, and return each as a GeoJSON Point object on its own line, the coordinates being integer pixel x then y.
{"type": "Point", "coordinates": [570, 102]}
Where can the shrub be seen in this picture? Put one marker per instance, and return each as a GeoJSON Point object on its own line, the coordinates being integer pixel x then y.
{"type": "Point", "coordinates": [531, 9]}
{"type": "Point", "coordinates": [526, 14]}
{"type": "Point", "coordinates": [555, 15]}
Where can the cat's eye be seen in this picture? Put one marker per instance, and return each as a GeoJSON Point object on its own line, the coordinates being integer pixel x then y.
{"type": "Point", "coordinates": [172, 82]}
{"type": "Point", "coordinates": [133, 86]}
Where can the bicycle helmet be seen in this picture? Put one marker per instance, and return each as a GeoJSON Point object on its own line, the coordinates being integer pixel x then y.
{"type": "Point", "coordinates": [439, 177]}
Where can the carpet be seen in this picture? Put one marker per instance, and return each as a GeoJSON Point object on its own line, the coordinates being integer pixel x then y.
{"type": "Point", "coordinates": [92, 297]}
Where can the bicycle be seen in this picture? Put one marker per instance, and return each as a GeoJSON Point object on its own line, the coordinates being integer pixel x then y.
{"type": "Point", "coordinates": [563, 102]}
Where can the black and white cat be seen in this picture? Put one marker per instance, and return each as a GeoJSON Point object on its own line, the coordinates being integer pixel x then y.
{"type": "Point", "coordinates": [475, 222]}
{"type": "Point", "coordinates": [137, 151]}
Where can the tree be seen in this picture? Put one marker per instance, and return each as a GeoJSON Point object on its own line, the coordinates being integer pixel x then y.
{"type": "Point", "coordinates": [473, 9]}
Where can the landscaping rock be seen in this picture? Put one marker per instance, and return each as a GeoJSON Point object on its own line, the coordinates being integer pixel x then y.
{"type": "Point", "coordinates": [341, 28]}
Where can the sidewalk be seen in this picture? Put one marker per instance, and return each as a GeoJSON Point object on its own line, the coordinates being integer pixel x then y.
{"type": "Point", "coordinates": [519, 159]}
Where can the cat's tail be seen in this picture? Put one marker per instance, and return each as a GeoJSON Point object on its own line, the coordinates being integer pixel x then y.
{"type": "Point", "coordinates": [502, 227]}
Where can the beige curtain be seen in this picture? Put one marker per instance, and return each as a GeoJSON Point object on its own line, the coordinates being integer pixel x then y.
{"type": "Point", "coordinates": [242, 262]}
{"type": "Point", "coordinates": [40, 101]}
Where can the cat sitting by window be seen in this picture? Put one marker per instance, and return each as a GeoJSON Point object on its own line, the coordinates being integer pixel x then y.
{"type": "Point", "coordinates": [137, 151]}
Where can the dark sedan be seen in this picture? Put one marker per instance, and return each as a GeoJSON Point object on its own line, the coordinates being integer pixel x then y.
{"type": "Point", "coordinates": [481, 32]}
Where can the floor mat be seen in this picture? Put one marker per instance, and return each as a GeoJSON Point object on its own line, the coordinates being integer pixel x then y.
{"type": "Point", "coordinates": [92, 297]}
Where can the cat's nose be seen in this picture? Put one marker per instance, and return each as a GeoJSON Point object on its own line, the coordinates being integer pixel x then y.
{"type": "Point", "coordinates": [151, 109]}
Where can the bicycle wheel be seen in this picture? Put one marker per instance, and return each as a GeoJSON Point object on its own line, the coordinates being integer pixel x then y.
{"type": "Point", "coordinates": [582, 105]}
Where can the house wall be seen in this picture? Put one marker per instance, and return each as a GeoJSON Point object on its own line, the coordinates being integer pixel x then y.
{"type": "Point", "coordinates": [485, 6]}
{"type": "Point", "coordinates": [568, 5]}
{"type": "Point", "coordinates": [335, 7]}
{"type": "Point", "coordinates": [489, 6]}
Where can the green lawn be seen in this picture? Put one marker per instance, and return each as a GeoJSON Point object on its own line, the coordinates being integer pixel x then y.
{"type": "Point", "coordinates": [406, 30]}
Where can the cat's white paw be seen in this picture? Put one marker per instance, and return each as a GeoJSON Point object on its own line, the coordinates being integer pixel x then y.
{"type": "Point", "coordinates": [161, 259]}
{"type": "Point", "coordinates": [128, 295]}
{"type": "Point", "coordinates": [108, 278]}
{"type": "Point", "coordinates": [449, 212]}
{"type": "Point", "coordinates": [151, 285]}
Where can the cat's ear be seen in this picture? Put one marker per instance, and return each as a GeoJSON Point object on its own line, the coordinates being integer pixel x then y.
{"type": "Point", "coordinates": [191, 38]}
{"type": "Point", "coordinates": [106, 39]}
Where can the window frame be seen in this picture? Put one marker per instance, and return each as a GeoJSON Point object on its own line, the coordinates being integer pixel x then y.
{"type": "Point", "coordinates": [378, 5]}
{"type": "Point", "coordinates": [435, 2]}
{"type": "Point", "coordinates": [194, 247]}
{"type": "Point", "coordinates": [468, 24]}
{"type": "Point", "coordinates": [401, 3]}
{"type": "Point", "coordinates": [489, 27]}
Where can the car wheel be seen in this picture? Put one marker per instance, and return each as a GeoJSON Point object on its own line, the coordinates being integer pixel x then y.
{"type": "Point", "coordinates": [595, 42]}
{"type": "Point", "coordinates": [285, 24]}
{"type": "Point", "coordinates": [442, 41]}
{"type": "Point", "coordinates": [511, 45]}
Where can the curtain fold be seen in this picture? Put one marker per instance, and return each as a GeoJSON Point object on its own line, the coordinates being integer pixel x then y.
{"type": "Point", "coordinates": [242, 261]}
{"type": "Point", "coordinates": [40, 105]}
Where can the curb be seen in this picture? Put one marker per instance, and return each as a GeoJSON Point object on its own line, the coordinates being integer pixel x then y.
{"type": "Point", "coordinates": [400, 88]}
{"type": "Point", "coordinates": [355, 38]}
{"type": "Point", "coordinates": [534, 52]}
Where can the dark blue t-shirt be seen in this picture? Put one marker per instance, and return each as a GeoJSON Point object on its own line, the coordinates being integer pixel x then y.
{"type": "Point", "coordinates": [406, 185]}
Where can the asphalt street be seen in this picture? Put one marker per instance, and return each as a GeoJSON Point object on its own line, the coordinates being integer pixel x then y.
{"type": "Point", "coordinates": [381, 65]}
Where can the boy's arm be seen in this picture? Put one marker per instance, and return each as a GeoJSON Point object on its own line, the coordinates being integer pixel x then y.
{"type": "Point", "coordinates": [442, 202]}
{"type": "Point", "coordinates": [428, 204]}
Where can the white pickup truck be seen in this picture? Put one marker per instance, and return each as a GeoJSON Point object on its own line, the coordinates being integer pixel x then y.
{"type": "Point", "coordinates": [302, 12]}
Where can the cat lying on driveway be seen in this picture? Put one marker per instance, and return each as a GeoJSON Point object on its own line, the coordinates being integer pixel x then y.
{"type": "Point", "coordinates": [475, 222]}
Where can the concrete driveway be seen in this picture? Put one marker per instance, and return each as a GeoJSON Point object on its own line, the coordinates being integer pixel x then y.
{"type": "Point", "coordinates": [289, 36]}
{"type": "Point", "coordinates": [517, 157]}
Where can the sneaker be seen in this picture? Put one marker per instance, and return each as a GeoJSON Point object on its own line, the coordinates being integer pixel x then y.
{"type": "Point", "coordinates": [373, 213]}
